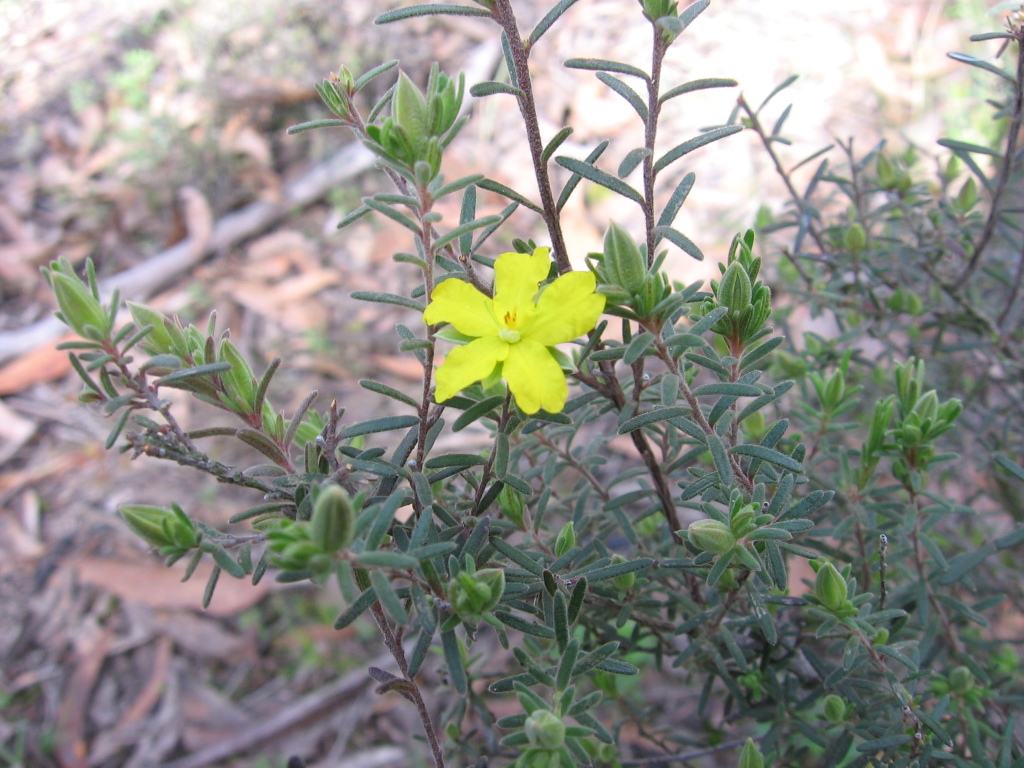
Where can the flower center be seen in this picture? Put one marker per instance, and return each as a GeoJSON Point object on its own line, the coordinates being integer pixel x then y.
{"type": "Point", "coordinates": [507, 334]}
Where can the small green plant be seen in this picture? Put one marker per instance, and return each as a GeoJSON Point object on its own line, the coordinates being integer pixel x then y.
{"type": "Point", "coordinates": [680, 560]}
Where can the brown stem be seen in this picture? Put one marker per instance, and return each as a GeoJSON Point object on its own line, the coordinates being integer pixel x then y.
{"type": "Point", "coordinates": [506, 18]}
{"type": "Point", "coordinates": [394, 646]}
{"type": "Point", "coordinates": [1005, 167]}
{"type": "Point", "coordinates": [650, 134]}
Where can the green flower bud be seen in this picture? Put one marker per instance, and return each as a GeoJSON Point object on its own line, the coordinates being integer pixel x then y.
{"type": "Point", "coordinates": [711, 536]}
{"type": "Point", "coordinates": [333, 523]}
{"type": "Point", "coordinates": [855, 238]}
{"type": "Point", "coordinates": [624, 582]}
{"type": "Point", "coordinates": [545, 730]}
{"type": "Point", "coordinates": [881, 637]}
{"type": "Point", "coordinates": [409, 110]}
{"type": "Point", "coordinates": [240, 381]}
{"type": "Point", "coordinates": [80, 309]}
{"type": "Point", "coordinates": [734, 289]}
{"type": "Point", "coordinates": [830, 589]}
{"type": "Point", "coordinates": [511, 503]}
{"type": "Point", "coordinates": [961, 680]}
{"type": "Point", "coordinates": [750, 756]}
{"type": "Point", "coordinates": [835, 709]}
{"type": "Point", "coordinates": [566, 539]}
{"type": "Point", "coordinates": [473, 594]}
{"type": "Point", "coordinates": [159, 341]}
{"type": "Point", "coordinates": [927, 406]}
{"type": "Point", "coordinates": [968, 196]}
{"type": "Point", "coordinates": [624, 264]}
{"type": "Point", "coordinates": [158, 526]}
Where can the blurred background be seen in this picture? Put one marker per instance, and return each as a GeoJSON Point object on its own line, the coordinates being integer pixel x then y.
{"type": "Point", "coordinates": [150, 137]}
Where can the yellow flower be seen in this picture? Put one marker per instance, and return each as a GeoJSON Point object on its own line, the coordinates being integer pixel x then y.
{"type": "Point", "coordinates": [515, 329]}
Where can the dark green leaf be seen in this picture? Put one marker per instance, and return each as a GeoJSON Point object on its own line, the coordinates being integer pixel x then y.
{"type": "Point", "coordinates": [983, 64]}
{"type": "Point", "coordinates": [357, 609]}
{"type": "Point", "coordinates": [596, 175]}
{"type": "Point", "coordinates": [626, 92]}
{"type": "Point", "coordinates": [695, 143]}
{"type": "Point", "coordinates": [679, 240]}
{"type": "Point", "coordinates": [430, 10]}
{"type": "Point", "coordinates": [549, 18]}
{"type": "Point", "coordinates": [780, 460]}
{"type": "Point", "coordinates": [728, 388]}
{"type": "Point", "coordinates": [463, 229]}
{"type": "Point", "coordinates": [963, 563]}
{"type": "Point", "coordinates": [184, 375]}
{"type": "Point", "coordinates": [963, 146]}
{"type": "Point", "coordinates": [491, 87]}
{"type": "Point", "coordinates": [618, 569]}
{"type": "Point", "coordinates": [604, 65]}
{"type": "Point", "coordinates": [384, 389]}
{"type": "Point", "coordinates": [379, 425]}
{"type": "Point", "coordinates": [511, 194]}
{"type": "Point", "coordinates": [697, 85]}
{"type": "Point", "coordinates": [652, 416]}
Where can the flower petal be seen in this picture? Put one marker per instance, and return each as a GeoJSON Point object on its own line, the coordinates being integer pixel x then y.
{"type": "Point", "coordinates": [534, 378]}
{"type": "Point", "coordinates": [516, 277]}
{"type": "Point", "coordinates": [468, 365]}
{"type": "Point", "coordinates": [459, 303]}
{"type": "Point", "coordinates": [566, 310]}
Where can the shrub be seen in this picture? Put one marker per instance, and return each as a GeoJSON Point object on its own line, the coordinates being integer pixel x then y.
{"type": "Point", "coordinates": [748, 458]}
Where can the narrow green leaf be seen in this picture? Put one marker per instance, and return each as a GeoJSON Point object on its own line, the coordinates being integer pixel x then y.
{"type": "Point", "coordinates": [625, 91]}
{"type": "Point", "coordinates": [476, 411]}
{"type": "Point", "coordinates": [983, 64]}
{"type": "Point", "coordinates": [184, 375]}
{"type": "Point", "coordinates": [963, 146]}
{"type": "Point", "coordinates": [631, 161]}
{"type": "Point", "coordinates": [511, 194]}
{"type": "Point", "coordinates": [695, 143]}
{"type": "Point", "coordinates": [491, 87]}
{"type": "Point", "coordinates": [555, 143]}
{"type": "Point", "coordinates": [356, 609]}
{"type": "Point", "coordinates": [573, 182]}
{"type": "Point", "coordinates": [526, 627]}
{"type": "Point", "coordinates": [430, 10]}
{"type": "Point", "coordinates": [453, 659]}
{"type": "Point", "coordinates": [780, 87]}
{"type": "Point", "coordinates": [355, 215]}
{"type": "Point", "coordinates": [603, 178]}
{"type": "Point", "coordinates": [517, 556]}
{"type": "Point", "coordinates": [604, 65]}
{"type": "Point", "coordinates": [566, 664]}
{"type": "Point", "coordinates": [638, 347]}
{"type": "Point", "coordinates": [313, 124]}
{"type": "Point", "coordinates": [618, 569]}
{"type": "Point", "coordinates": [393, 214]}
{"type": "Point", "coordinates": [728, 388]}
{"type": "Point", "coordinates": [780, 460]}
{"type": "Point", "coordinates": [455, 460]}
{"type": "Point", "coordinates": [549, 18]}
{"type": "Point", "coordinates": [379, 559]}
{"type": "Point", "coordinates": [384, 389]}
{"type": "Point", "coordinates": [388, 599]}
{"type": "Point", "coordinates": [463, 229]}
{"type": "Point", "coordinates": [679, 194]}
{"type": "Point", "coordinates": [697, 85]}
{"type": "Point", "coordinates": [363, 80]}
{"type": "Point", "coordinates": [227, 562]}
{"type": "Point", "coordinates": [455, 186]}
{"type": "Point", "coordinates": [721, 458]}
{"type": "Point", "coordinates": [384, 424]}
{"type": "Point", "coordinates": [211, 585]}
{"type": "Point", "coordinates": [963, 563]}
{"type": "Point", "coordinates": [652, 416]}
{"type": "Point", "coordinates": [679, 240]}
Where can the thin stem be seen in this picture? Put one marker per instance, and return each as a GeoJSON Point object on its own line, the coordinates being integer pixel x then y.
{"type": "Point", "coordinates": [659, 48]}
{"type": "Point", "coordinates": [394, 646]}
{"type": "Point", "coordinates": [506, 18]}
{"type": "Point", "coordinates": [1005, 167]}
{"type": "Point", "coordinates": [801, 204]}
